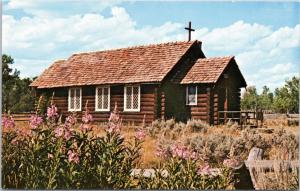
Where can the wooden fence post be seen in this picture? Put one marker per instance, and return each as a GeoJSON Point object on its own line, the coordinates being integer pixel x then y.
{"type": "Point", "coordinates": [255, 154]}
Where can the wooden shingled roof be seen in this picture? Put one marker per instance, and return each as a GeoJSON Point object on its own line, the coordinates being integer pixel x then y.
{"type": "Point", "coordinates": [140, 64]}
{"type": "Point", "coordinates": [209, 70]}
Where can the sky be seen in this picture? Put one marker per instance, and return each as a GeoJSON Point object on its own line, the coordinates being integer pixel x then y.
{"type": "Point", "coordinates": [264, 37]}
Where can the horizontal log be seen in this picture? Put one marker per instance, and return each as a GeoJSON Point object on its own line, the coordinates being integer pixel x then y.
{"type": "Point", "coordinates": [21, 115]}
{"type": "Point", "coordinates": [269, 164]}
{"type": "Point", "coordinates": [92, 108]}
{"type": "Point", "coordinates": [143, 96]}
{"type": "Point", "coordinates": [202, 96]}
{"type": "Point", "coordinates": [112, 103]}
{"type": "Point", "coordinates": [196, 109]}
{"type": "Point", "coordinates": [105, 119]}
{"type": "Point", "coordinates": [202, 99]}
{"type": "Point", "coordinates": [122, 114]}
{"type": "Point", "coordinates": [199, 117]}
{"type": "Point", "coordinates": [21, 119]}
{"type": "Point", "coordinates": [199, 113]}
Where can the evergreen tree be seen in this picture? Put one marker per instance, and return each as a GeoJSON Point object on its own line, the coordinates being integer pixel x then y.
{"type": "Point", "coordinates": [17, 96]}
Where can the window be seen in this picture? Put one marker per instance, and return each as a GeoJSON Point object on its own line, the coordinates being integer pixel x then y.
{"type": "Point", "coordinates": [74, 99]}
{"type": "Point", "coordinates": [102, 99]}
{"type": "Point", "coordinates": [191, 95]}
{"type": "Point", "coordinates": [132, 96]}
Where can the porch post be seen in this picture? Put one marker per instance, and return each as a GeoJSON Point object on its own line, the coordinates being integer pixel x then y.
{"type": "Point", "coordinates": [226, 98]}
{"type": "Point", "coordinates": [208, 105]}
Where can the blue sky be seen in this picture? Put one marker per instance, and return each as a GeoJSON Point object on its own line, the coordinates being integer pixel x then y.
{"type": "Point", "coordinates": [264, 36]}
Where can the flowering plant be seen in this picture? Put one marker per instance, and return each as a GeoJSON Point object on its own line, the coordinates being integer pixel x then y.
{"type": "Point", "coordinates": [179, 169]}
{"type": "Point", "coordinates": [8, 121]}
{"type": "Point", "coordinates": [67, 155]}
{"type": "Point", "coordinates": [59, 155]}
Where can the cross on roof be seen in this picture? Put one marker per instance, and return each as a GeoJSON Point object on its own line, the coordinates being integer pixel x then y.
{"type": "Point", "coordinates": [189, 29]}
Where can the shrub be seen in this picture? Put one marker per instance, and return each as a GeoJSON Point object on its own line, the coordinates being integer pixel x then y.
{"type": "Point", "coordinates": [173, 130]}
{"type": "Point", "coordinates": [197, 126]}
{"type": "Point", "coordinates": [212, 148]}
{"type": "Point", "coordinates": [66, 155]}
{"type": "Point", "coordinates": [181, 171]}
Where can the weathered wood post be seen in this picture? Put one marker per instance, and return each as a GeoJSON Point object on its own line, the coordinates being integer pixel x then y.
{"type": "Point", "coordinates": [255, 154]}
{"type": "Point", "coordinates": [246, 177]}
{"type": "Point", "coordinates": [240, 173]}
{"type": "Point", "coordinates": [226, 98]}
{"type": "Point", "coordinates": [208, 105]}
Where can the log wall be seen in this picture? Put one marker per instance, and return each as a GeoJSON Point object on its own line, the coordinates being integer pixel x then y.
{"type": "Point", "coordinates": [201, 110]}
{"type": "Point", "coordinates": [148, 107]}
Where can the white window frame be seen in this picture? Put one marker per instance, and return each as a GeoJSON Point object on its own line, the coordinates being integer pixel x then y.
{"type": "Point", "coordinates": [96, 97]}
{"type": "Point", "coordinates": [139, 99]}
{"type": "Point", "coordinates": [187, 95]}
{"type": "Point", "coordinates": [69, 99]}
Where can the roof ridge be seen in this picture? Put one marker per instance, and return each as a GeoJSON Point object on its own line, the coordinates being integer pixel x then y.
{"type": "Point", "coordinates": [218, 57]}
{"type": "Point", "coordinates": [133, 47]}
{"type": "Point", "coordinates": [60, 60]}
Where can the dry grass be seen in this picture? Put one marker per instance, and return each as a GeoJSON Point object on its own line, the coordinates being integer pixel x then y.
{"type": "Point", "coordinates": [149, 159]}
{"type": "Point", "coordinates": [280, 177]}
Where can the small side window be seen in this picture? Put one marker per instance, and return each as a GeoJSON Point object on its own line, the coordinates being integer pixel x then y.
{"type": "Point", "coordinates": [191, 95]}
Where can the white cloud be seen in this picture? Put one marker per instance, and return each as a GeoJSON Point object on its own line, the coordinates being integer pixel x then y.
{"type": "Point", "coordinates": [262, 53]}
{"type": "Point", "coordinates": [62, 7]}
{"type": "Point", "coordinates": [38, 38]}
{"type": "Point", "coordinates": [284, 37]}
{"type": "Point", "coordinates": [233, 37]}
{"type": "Point", "coordinates": [31, 66]}
{"type": "Point", "coordinates": [82, 32]}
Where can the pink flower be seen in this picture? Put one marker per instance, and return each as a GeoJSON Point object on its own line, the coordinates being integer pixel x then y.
{"type": "Point", "coordinates": [8, 122]}
{"type": "Point", "coordinates": [73, 157]}
{"type": "Point", "coordinates": [194, 155]}
{"type": "Point", "coordinates": [35, 121]}
{"type": "Point", "coordinates": [59, 132]}
{"type": "Point", "coordinates": [180, 151]}
{"type": "Point", "coordinates": [85, 127]}
{"type": "Point", "coordinates": [87, 118]}
{"type": "Point", "coordinates": [204, 170]}
{"type": "Point", "coordinates": [50, 156]}
{"type": "Point", "coordinates": [140, 134]}
{"type": "Point", "coordinates": [67, 134]}
{"type": "Point", "coordinates": [52, 112]}
{"type": "Point", "coordinates": [71, 120]}
{"type": "Point", "coordinates": [183, 152]}
{"type": "Point", "coordinates": [114, 122]}
{"type": "Point", "coordinates": [114, 117]}
{"type": "Point", "coordinates": [114, 128]}
{"type": "Point", "coordinates": [25, 133]}
{"type": "Point", "coordinates": [14, 141]}
{"type": "Point", "coordinates": [162, 153]}
{"type": "Point", "coordinates": [231, 163]}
